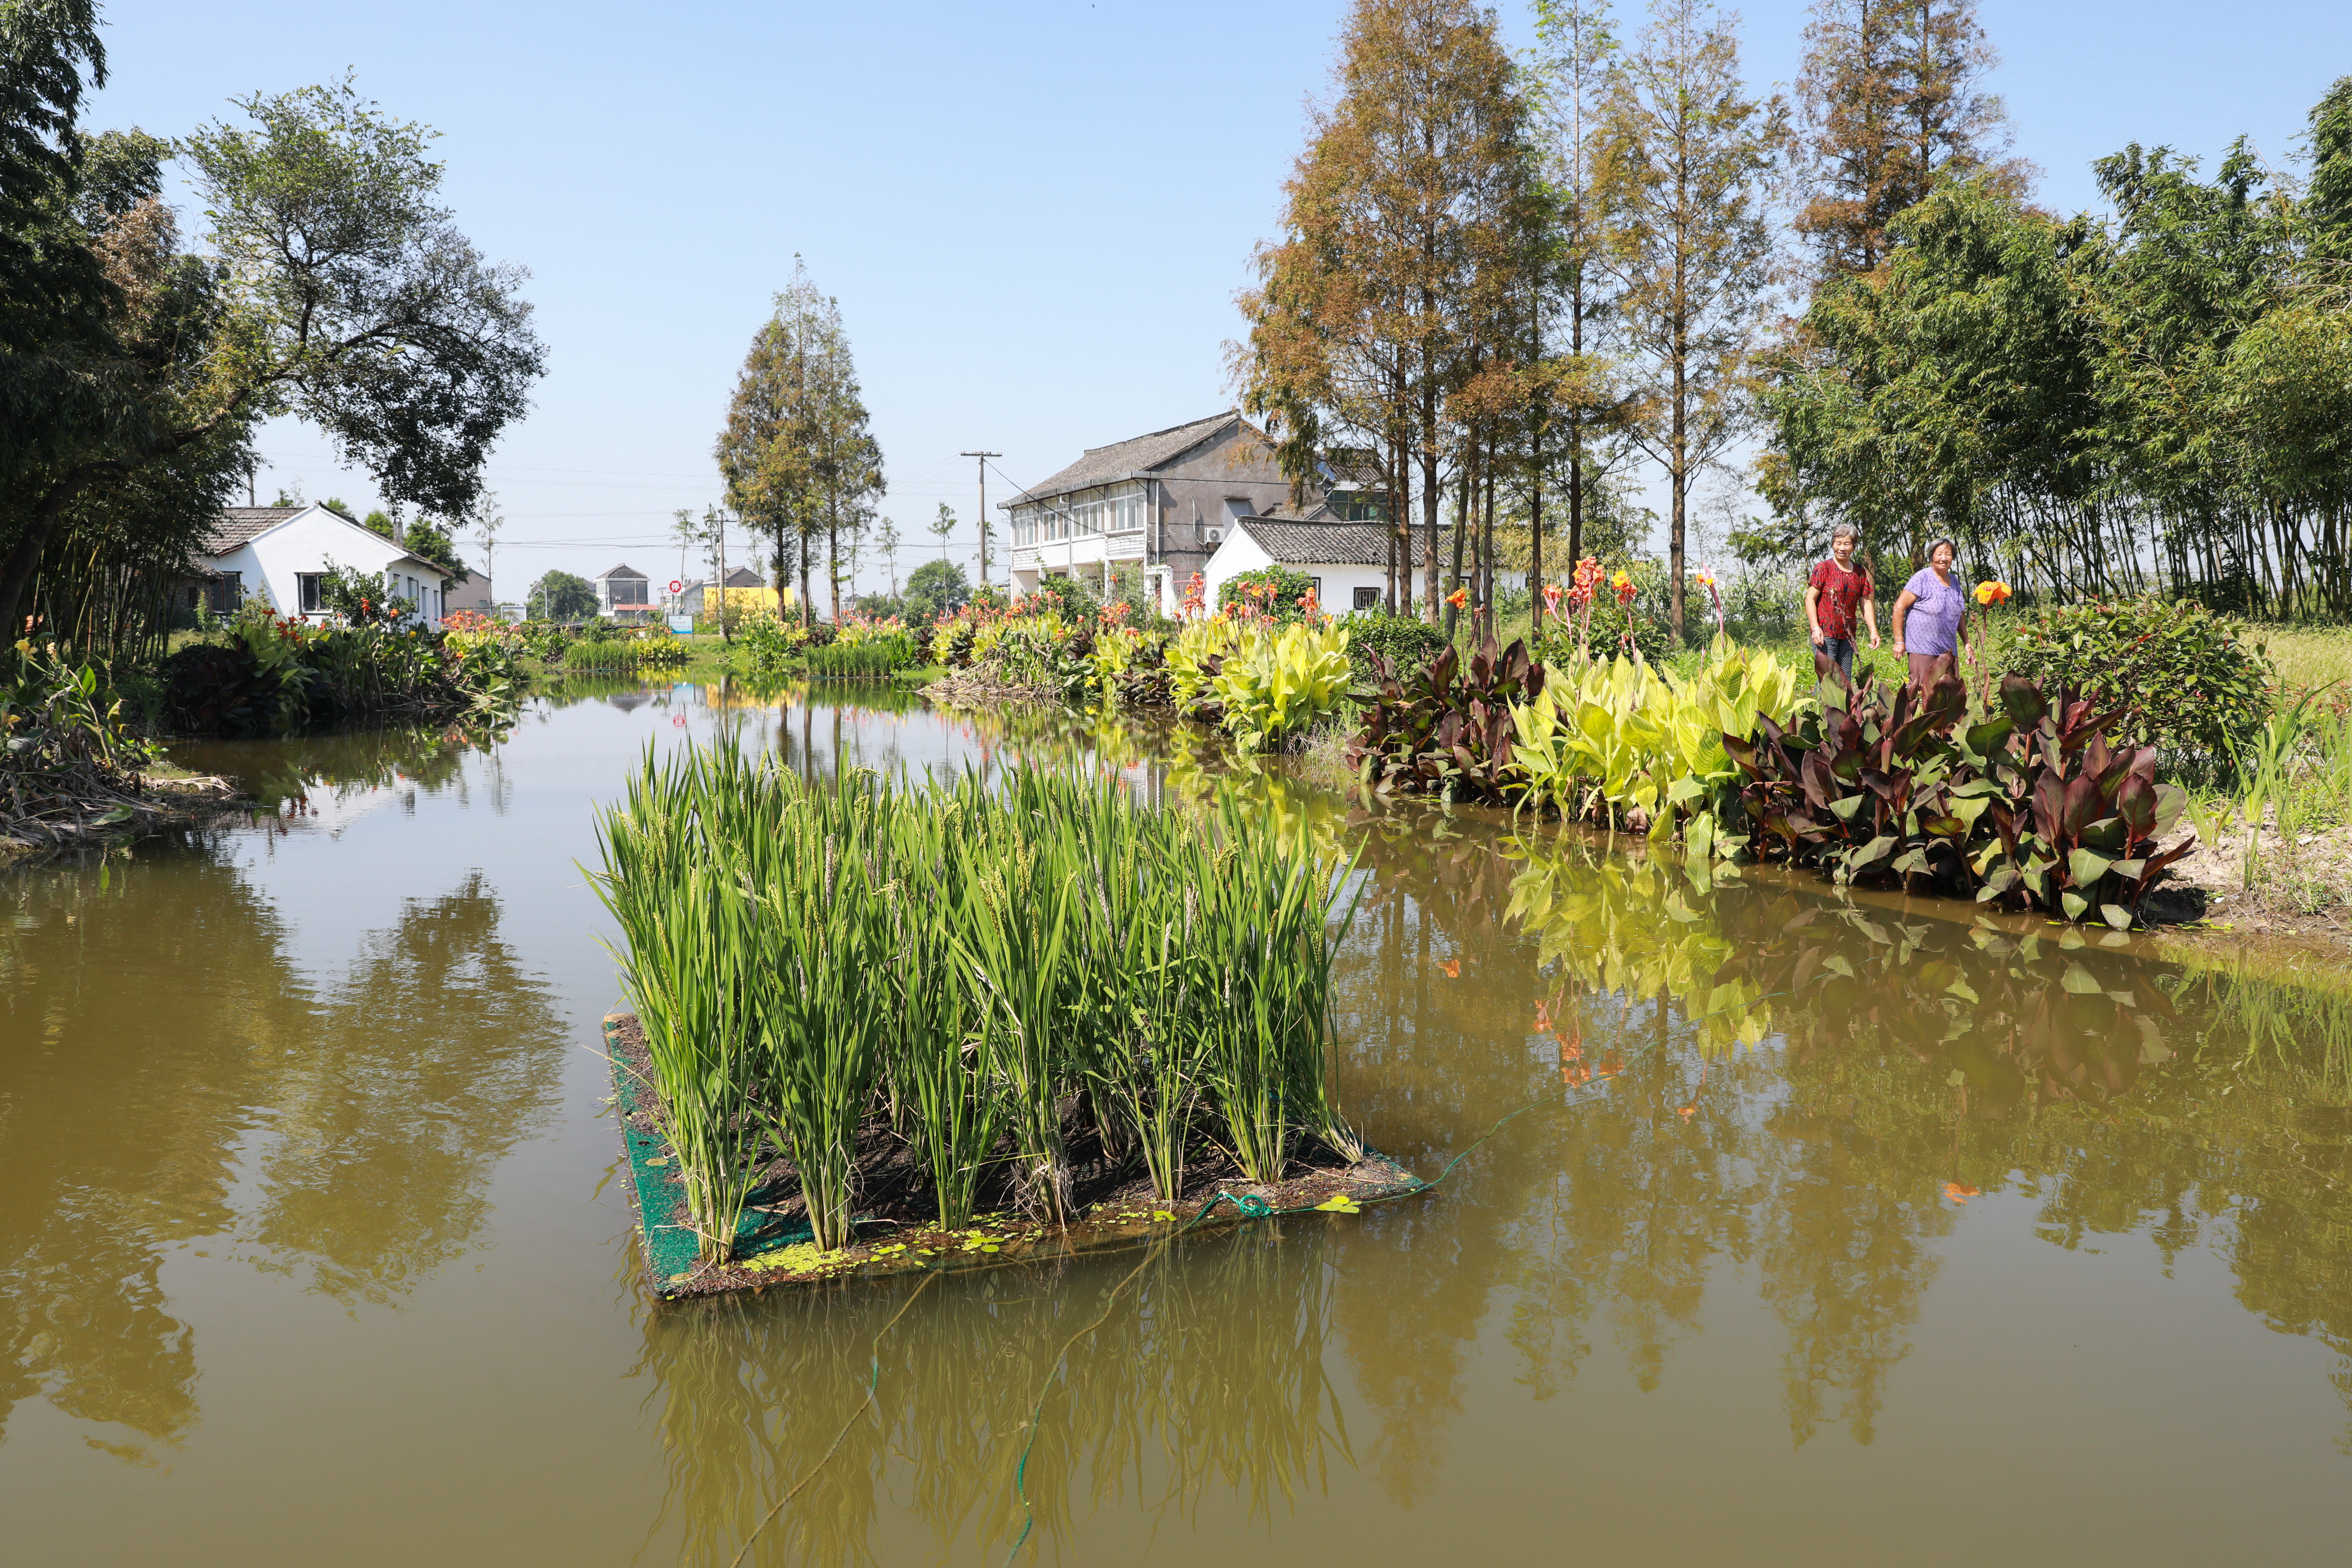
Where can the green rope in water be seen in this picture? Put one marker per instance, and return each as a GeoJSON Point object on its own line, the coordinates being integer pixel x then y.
{"type": "Point", "coordinates": [873, 1381]}
{"type": "Point", "coordinates": [1252, 1207]}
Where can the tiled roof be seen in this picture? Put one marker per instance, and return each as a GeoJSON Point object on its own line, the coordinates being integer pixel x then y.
{"type": "Point", "coordinates": [235, 525]}
{"type": "Point", "coordinates": [1330, 543]}
{"type": "Point", "coordinates": [624, 571]}
{"type": "Point", "coordinates": [1108, 465]}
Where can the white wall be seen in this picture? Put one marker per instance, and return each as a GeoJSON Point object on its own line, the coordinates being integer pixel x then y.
{"type": "Point", "coordinates": [1335, 585]}
{"type": "Point", "coordinates": [310, 541]}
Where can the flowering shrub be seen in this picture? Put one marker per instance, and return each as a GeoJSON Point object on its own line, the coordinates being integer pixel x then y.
{"type": "Point", "coordinates": [1276, 592]}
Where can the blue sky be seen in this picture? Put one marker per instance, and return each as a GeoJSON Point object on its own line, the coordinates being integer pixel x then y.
{"type": "Point", "coordinates": [1035, 216]}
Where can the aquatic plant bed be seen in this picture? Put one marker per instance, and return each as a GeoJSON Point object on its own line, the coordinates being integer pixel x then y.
{"type": "Point", "coordinates": [901, 1234]}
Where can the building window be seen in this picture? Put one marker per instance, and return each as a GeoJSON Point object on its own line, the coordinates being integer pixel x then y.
{"type": "Point", "coordinates": [1314, 586]}
{"type": "Point", "coordinates": [306, 591]}
{"type": "Point", "coordinates": [1368, 598]}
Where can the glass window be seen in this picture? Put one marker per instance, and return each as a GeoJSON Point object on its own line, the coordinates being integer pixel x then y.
{"type": "Point", "coordinates": [306, 590]}
{"type": "Point", "coordinates": [1368, 598]}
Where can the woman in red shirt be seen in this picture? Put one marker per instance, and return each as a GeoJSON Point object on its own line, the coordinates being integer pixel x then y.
{"type": "Point", "coordinates": [1832, 593]}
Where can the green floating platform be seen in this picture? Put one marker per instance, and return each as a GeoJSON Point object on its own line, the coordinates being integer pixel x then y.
{"type": "Point", "coordinates": [774, 1250]}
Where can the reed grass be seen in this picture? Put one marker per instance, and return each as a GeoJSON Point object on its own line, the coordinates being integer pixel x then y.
{"type": "Point", "coordinates": [987, 976]}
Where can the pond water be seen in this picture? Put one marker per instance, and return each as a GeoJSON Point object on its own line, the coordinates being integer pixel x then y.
{"type": "Point", "coordinates": [1812, 1229]}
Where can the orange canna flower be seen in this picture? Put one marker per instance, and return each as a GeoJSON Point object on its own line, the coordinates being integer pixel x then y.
{"type": "Point", "coordinates": [1453, 967]}
{"type": "Point", "coordinates": [1575, 1076]}
{"type": "Point", "coordinates": [1459, 597]}
{"type": "Point", "coordinates": [1687, 1111]}
{"type": "Point", "coordinates": [1572, 1052]}
{"type": "Point", "coordinates": [1543, 1017]}
{"type": "Point", "coordinates": [1959, 1194]}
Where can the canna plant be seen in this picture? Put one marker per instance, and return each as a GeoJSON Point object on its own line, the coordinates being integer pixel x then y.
{"type": "Point", "coordinates": [2030, 805]}
{"type": "Point", "coordinates": [1446, 728]}
{"type": "Point", "coordinates": [1277, 682]}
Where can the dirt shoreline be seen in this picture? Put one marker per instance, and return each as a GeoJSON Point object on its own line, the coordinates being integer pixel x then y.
{"type": "Point", "coordinates": [163, 801]}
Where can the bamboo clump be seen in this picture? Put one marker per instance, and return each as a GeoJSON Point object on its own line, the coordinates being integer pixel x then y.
{"type": "Point", "coordinates": [993, 973]}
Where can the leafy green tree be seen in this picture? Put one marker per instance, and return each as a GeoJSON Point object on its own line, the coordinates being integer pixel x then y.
{"type": "Point", "coordinates": [1403, 262]}
{"type": "Point", "coordinates": [560, 597]}
{"type": "Point", "coordinates": [1576, 45]}
{"type": "Point", "coordinates": [428, 540]}
{"type": "Point", "coordinates": [1891, 101]}
{"type": "Point", "coordinates": [339, 291]}
{"type": "Point", "coordinates": [382, 522]}
{"type": "Point", "coordinates": [797, 454]}
{"type": "Point", "coordinates": [935, 589]}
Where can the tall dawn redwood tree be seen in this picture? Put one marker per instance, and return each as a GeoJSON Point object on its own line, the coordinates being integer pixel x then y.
{"type": "Point", "coordinates": [1575, 46]}
{"type": "Point", "coordinates": [1400, 220]}
{"type": "Point", "coordinates": [797, 454]}
{"type": "Point", "coordinates": [1890, 101]}
{"type": "Point", "coordinates": [1686, 158]}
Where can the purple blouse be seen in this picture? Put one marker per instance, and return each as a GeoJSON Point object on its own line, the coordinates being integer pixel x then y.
{"type": "Point", "coordinates": [1933, 626]}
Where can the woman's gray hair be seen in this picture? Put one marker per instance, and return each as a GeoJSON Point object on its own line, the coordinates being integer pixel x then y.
{"type": "Point", "coordinates": [1846, 531]}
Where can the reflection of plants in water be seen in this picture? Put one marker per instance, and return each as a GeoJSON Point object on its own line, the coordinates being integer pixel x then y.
{"type": "Point", "coordinates": [1630, 926]}
{"type": "Point", "coordinates": [436, 1011]}
{"type": "Point", "coordinates": [428, 756]}
{"type": "Point", "coordinates": [1207, 1377]}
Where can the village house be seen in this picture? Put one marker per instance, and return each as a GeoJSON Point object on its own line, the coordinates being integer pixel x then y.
{"type": "Point", "coordinates": [1160, 503]}
{"type": "Point", "coordinates": [624, 593]}
{"type": "Point", "coordinates": [282, 552]}
{"type": "Point", "coordinates": [699, 598]}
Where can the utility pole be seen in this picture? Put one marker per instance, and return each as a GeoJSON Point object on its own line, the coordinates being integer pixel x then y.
{"type": "Point", "coordinates": [724, 636]}
{"type": "Point", "coordinates": [983, 466]}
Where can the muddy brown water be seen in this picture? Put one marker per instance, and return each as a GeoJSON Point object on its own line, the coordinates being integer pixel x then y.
{"type": "Point", "coordinates": [1826, 1231]}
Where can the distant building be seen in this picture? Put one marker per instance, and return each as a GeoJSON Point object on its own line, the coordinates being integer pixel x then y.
{"type": "Point", "coordinates": [698, 599]}
{"type": "Point", "coordinates": [282, 552]}
{"type": "Point", "coordinates": [1161, 503]}
{"type": "Point", "coordinates": [624, 593]}
{"type": "Point", "coordinates": [473, 594]}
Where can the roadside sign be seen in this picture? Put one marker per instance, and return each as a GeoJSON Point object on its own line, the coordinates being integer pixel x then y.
{"type": "Point", "coordinates": [681, 625]}
{"type": "Point", "coordinates": [676, 587]}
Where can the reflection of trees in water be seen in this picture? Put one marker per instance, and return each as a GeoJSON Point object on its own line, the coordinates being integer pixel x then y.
{"type": "Point", "coordinates": [1920, 1050]}
{"type": "Point", "coordinates": [433, 1055]}
{"type": "Point", "coordinates": [428, 757]}
{"type": "Point", "coordinates": [128, 1108]}
{"type": "Point", "coordinates": [1205, 1378]}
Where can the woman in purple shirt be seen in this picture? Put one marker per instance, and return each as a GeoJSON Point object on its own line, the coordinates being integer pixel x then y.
{"type": "Point", "coordinates": [1931, 618]}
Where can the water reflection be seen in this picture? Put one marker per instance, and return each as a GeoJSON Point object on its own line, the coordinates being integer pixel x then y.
{"type": "Point", "coordinates": [174, 1079]}
{"type": "Point", "coordinates": [1204, 1373]}
{"type": "Point", "coordinates": [1751, 1131]}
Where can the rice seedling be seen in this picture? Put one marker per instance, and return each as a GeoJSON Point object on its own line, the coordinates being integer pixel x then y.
{"type": "Point", "coordinates": [980, 975]}
{"type": "Point", "coordinates": [687, 973]}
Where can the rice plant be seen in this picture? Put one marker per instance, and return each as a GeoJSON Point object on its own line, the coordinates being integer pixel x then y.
{"type": "Point", "coordinates": [983, 975]}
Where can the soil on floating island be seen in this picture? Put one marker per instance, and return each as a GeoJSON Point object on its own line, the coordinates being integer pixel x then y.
{"type": "Point", "coordinates": [898, 1223]}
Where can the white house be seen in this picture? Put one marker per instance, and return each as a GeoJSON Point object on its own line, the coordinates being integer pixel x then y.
{"type": "Point", "coordinates": [282, 552]}
{"type": "Point", "coordinates": [1347, 562]}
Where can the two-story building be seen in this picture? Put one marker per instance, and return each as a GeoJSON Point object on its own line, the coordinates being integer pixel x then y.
{"type": "Point", "coordinates": [624, 593]}
{"type": "Point", "coordinates": [1161, 503]}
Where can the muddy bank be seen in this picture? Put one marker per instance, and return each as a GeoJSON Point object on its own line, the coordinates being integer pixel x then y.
{"type": "Point", "coordinates": [162, 800]}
